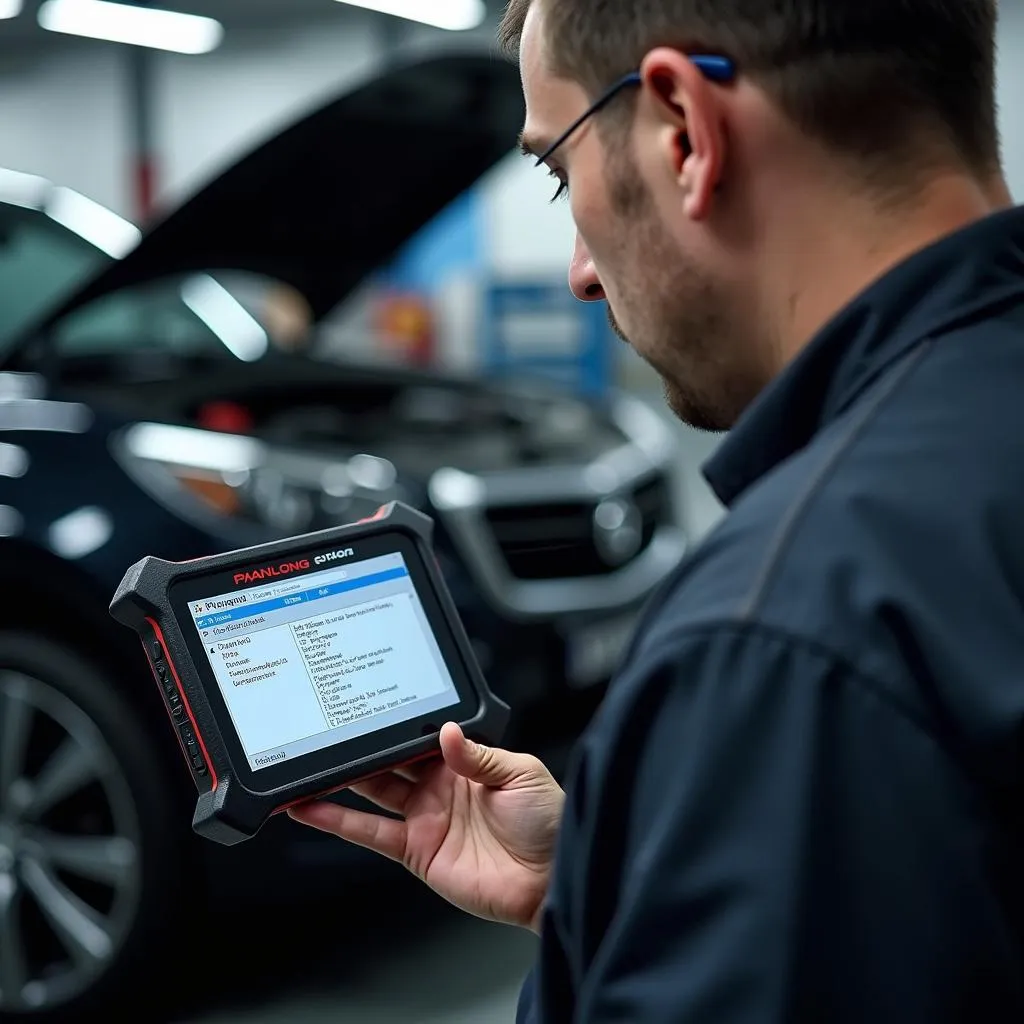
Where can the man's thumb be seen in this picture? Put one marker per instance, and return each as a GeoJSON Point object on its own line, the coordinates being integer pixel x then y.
{"type": "Point", "coordinates": [489, 766]}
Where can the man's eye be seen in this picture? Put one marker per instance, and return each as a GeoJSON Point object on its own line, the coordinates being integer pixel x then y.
{"type": "Point", "coordinates": [563, 188]}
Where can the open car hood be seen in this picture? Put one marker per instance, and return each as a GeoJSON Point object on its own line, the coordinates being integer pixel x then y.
{"type": "Point", "coordinates": [327, 201]}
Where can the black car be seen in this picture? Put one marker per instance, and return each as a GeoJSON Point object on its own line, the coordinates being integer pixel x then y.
{"type": "Point", "coordinates": [144, 410]}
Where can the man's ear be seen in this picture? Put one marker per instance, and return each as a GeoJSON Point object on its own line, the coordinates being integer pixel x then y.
{"type": "Point", "coordinates": [692, 111]}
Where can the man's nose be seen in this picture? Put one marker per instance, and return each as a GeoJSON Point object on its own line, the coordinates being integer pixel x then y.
{"type": "Point", "coordinates": [583, 280]}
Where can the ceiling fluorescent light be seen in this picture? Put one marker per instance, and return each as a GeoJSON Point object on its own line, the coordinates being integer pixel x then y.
{"type": "Point", "coordinates": [454, 15]}
{"type": "Point", "coordinates": [10, 8]}
{"type": "Point", "coordinates": [136, 26]}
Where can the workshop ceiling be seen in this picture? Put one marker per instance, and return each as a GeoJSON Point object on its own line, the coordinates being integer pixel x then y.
{"type": "Point", "coordinates": [20, 34]}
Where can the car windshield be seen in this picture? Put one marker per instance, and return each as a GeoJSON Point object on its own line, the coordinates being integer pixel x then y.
{"type": "Point", "coordinates": [233, 315]}
{"type": "Point", "coordinates": [236, 315]}
{"type": "Point", "coordinates": [51, 246]}
{"type": "Point", "coordinates": [41, 261]}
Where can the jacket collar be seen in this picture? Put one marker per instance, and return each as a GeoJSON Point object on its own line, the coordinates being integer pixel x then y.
{"type": "Point", "coordinates": [957, 280]}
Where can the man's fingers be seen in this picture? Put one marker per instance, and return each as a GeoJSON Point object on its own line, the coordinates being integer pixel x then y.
{"type": "Point", "coordinates": [490, 766]}
{"type": "Point", "coordinates": [391, 791]}
{"type": "Point", "coordinates": [372, 831]}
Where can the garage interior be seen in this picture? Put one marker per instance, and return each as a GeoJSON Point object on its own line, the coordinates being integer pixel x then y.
{"type": "Point", "coordinates": [270, 221]}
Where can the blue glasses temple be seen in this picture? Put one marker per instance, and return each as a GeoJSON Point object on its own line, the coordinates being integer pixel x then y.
{"type": "Point", "coordinates": [718, 69]}
{"type": "Point", "coordinates": [714, 68]}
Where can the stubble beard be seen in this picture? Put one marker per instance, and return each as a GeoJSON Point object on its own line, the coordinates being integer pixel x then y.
{"type": "Point", "coordinates": [677, 314]}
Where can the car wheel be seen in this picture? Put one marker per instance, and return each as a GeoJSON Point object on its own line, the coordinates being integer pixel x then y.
{"type": "Point", "coordinates": [88, 863]}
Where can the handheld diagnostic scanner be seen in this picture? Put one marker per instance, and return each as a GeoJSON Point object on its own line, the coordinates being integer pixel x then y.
{"type": "Point", "coordinates": [292, 669]}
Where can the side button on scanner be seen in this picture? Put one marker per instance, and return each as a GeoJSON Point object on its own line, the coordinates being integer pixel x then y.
{"type": "Point", "coordinates": [166, 679]}
{"type": "Point", "coordinates": [195, 755]}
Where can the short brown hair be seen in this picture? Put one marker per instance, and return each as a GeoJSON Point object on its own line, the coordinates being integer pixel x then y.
{"type": "Point", "coordinates": [872, 79]}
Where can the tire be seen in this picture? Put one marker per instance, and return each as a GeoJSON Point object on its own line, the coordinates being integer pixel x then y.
{"type": "Point", "coordinates": [92, 858]}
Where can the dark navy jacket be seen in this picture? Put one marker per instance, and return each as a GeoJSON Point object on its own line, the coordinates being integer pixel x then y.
{"type": "Point", "coordinates": [803, 799]}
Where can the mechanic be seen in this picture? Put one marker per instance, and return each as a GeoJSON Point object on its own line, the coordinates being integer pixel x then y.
{"type": "Point", "coordinates": [803, 798]}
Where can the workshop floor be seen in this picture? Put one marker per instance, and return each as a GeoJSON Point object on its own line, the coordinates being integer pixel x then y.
{"type": "Point", "coordinates": [427, 965]}
{"type": "Point", "coordinates": [424, 964]}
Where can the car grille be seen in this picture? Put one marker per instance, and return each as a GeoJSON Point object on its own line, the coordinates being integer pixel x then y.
{"type": "Point", "coordinates": [558, 540]}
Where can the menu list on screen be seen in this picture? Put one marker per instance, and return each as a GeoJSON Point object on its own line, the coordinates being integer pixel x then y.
{"type": "Point", "coordinates": [319, 660]}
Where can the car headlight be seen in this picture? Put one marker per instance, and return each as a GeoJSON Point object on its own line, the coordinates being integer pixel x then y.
{"type": "Point", "coordinates": [196, 471]}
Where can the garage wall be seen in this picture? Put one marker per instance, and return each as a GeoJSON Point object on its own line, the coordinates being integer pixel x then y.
{"type": "Point", "coordinates": [64, 114]}
{"type": "Point", "coordinates": [211, 111]}
{"type": "Point", "coordinates": [64, 118]}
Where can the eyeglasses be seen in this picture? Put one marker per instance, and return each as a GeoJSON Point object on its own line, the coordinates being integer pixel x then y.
{"type": "Point", "coordinates": [714, 68]}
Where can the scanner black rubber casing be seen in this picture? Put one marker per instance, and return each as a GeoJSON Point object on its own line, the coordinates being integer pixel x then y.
{"type": "Point", "coordinates": [227, 811]}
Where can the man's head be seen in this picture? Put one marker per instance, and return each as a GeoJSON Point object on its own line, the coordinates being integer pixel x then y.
{"type": "Point", "coordinates": [709, 206]}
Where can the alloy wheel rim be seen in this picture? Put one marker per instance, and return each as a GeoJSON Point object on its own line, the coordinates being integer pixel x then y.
{"type": "Point", "coordinates": [70, 848]}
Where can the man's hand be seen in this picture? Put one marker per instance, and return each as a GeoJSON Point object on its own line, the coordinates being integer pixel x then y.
{"type": "Point", "coordinates": [479, 827]}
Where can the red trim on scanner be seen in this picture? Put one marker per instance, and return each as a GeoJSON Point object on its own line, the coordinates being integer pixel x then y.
{"type": "Point", "coordinates": [429, 756]}
{"type": "Point", "coordinates": [188, 707]}
{"type": "Point", "coordinates": [379, 514]}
